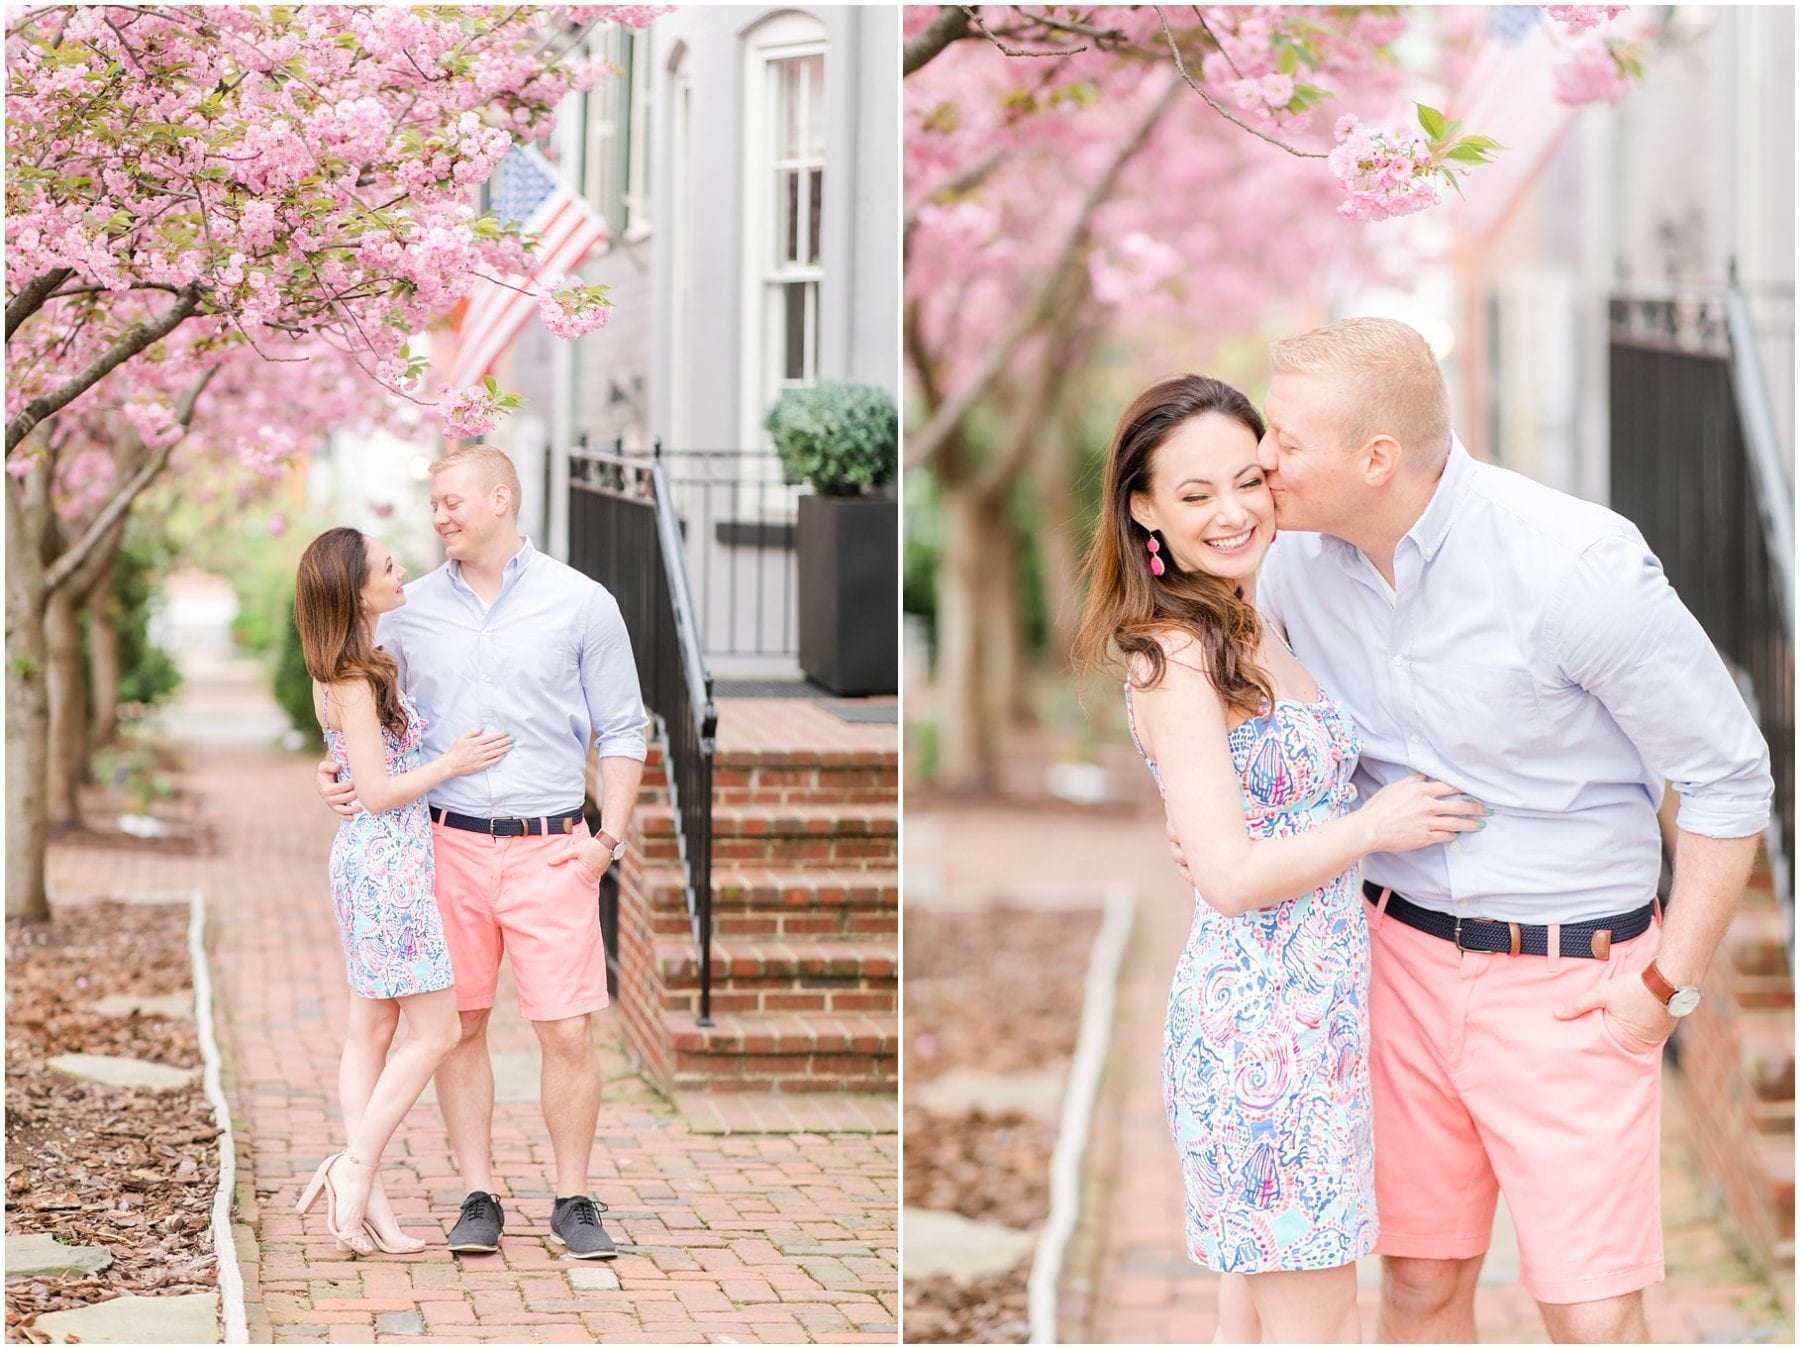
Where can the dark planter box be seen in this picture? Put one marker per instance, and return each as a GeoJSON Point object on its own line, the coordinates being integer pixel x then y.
{"type": "Point", "coordinates": [849, 584]}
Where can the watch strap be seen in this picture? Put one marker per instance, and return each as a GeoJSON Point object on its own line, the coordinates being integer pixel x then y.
{"type": "Point", "coordinates": [1660, 988]}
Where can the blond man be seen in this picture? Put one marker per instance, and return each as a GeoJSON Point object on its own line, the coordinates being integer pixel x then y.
{"type": "Point", "coordinates": [1488, 631]}
{"type": "Point", "coordinates": [505, 637]}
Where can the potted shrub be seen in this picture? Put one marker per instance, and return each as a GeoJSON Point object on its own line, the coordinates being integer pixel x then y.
{"type": "Point", "coordinates": [844, 440]}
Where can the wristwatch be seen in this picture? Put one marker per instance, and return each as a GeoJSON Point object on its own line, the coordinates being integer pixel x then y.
{"type": "Point", "coordinates": [617, 845]}
{"type": "Point", "coordinates": [1676, 1001]}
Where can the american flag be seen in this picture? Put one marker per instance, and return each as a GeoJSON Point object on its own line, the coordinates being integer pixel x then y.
{"type": "Point", "coordinates": [530, 190]}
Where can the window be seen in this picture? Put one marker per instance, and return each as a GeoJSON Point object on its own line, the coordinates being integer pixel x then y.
{"type": "Point", "coordinates": [680, 240]}
{"type": "Point", "coordinates": [784, 149]}
{"type": "Point", "coordinates": [614, 123]}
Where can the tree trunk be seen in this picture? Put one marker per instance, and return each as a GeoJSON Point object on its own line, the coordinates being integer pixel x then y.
{"type": "Point", "coordinates": [69, 742]}
{"type": "Point", "coordinates": [67, 703]}
{"type": "Point", "coordinates": [1053, 473]}
{"type": "Point", "coordinates": [965, 753]}
{"type": "Point", "coordinates": [1003, 700]}
{"type": "Point", "coordinates": [103, 656]}
{"type": "Point", "coordinates": [27, 712]}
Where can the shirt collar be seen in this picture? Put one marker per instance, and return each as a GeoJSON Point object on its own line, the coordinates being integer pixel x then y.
{"type": "Point", "coordinates": [1433, 525]}
{"type": "Point", "coordinates": [514, 564]}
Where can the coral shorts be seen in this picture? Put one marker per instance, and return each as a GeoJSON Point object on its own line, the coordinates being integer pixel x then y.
{"type": "Point", "coordinates": [1479, 1091]}
{"type": "Point", "coordinates": [502, 896]}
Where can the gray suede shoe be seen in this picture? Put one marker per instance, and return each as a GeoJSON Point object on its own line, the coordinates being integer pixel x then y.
{"type": "Point", "coordinates": [575, 1223]}
{"type": "Point", "coordinates": [477, 1230]}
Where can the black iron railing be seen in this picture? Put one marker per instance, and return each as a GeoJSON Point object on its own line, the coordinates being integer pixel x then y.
{"type": "Point", "coordinates": [738, 517]}
{"type": "Point", "coordinates": [623, 532]}
{"type": "Point", "coordinates": [1697, 466]}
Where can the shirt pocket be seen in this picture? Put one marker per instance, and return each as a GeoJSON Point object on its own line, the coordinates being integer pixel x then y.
{"type": "Point", "coordinates": [1475, 713]}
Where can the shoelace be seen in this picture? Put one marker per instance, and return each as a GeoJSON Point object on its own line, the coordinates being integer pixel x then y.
{"type": "Point", "coordinates": [476, 1206]}
{"type": "Point", "coordinates": [583, 1211]}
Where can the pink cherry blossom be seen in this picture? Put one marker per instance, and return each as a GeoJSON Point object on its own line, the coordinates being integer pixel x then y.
{"type": "Point", "coordinates": [473, 411]}
{"type": "Point", "coordinates": [569, 309]}
{"type": "Point", "coordinates": [1590, 73]}
{"type": "Point", "coordinates": [1578, 17]}
{"type": "Point", "coordinates": [1385, 171]}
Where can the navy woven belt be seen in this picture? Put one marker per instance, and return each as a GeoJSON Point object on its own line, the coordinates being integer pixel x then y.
{"type": "Point", "coordinates": [563, 822]}
{"type": "Point", "coordinates": [1590, 940]}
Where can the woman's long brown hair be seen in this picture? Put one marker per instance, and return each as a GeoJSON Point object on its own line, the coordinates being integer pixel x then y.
{"type": "Point", "coordinates": [328, 612]}
{"type": "Point", "coordinates": [1126, 607]}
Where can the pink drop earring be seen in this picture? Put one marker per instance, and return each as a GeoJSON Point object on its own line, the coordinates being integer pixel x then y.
{"type": "Point", "coordinates": [1156, 563]}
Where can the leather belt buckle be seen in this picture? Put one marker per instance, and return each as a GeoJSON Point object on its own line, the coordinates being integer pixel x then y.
{"type": "Point", "coordinates": [495, 832]}
{"type": "Point", "coordinates": [1511, 927]}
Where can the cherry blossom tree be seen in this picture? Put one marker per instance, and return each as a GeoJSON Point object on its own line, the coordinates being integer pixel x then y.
{"type": "Point", "coordinates": [1140, 181]}
{"type": "Point", "coordinates": [209, 198]}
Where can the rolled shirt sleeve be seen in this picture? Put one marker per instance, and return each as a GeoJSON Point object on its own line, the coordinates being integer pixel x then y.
{"type": "Point", "coordinates": [1622, 634]}
{"type": "Point", "coordinates": [609, 680]}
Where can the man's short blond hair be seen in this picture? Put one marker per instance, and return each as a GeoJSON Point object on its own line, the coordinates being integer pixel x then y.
{"type": "Point", "coordinates": [494, 467]}
{"type": "Point", "coordinates": [1392, 383]}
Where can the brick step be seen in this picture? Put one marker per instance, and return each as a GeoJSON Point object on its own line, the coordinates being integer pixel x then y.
{"type": "Point", "coordinates": [812, 836]}
{"type": "Point", "coordinates": [1773, 1158]}
{"type": "Point", "coordinates": [805, 776]}
{"type": "Point", "coordinates": [784, 1051]}
{"type": "Point", "coordinates": [1765, 1042]}
{"type": "Point", "coordinates": [1756, 941]}
{"type": "Point", "coordinates": [1774, 1117]}
{"type": "Point", "coordinates": [790, 902]}
{"type": "Point", "coordinates": [747, 962]}
{"type": "Point", "coordinates": [752, 977]}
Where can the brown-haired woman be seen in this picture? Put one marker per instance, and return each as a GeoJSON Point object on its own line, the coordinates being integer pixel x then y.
{"type": "Point", "coordinates": [1265, 1051]}
{"type": "Point", "coordinates": [381, 874]}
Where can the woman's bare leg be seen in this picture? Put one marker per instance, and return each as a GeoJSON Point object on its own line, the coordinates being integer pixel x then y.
{"type": "Point", "coordinates": [372, 1026]}
{"type": "Point", "coordinates": [1313, 1306]}
{"type": "Point", "coordinates": [1238, 1323]}
{"type": "Point", "coordinates": [434, 1030]}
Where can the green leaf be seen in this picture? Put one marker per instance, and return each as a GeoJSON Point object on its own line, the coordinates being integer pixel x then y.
{"type": "Point", "coordinates": [1483, 142]}
{"type": "Point", "coordinates": [1431, 120]}
{"type": "Point", "coordinates": [1468, 154]}
{"type": "Point", "coordinates": [1289, 61]}
{"type": "Point", "coordinates": [490, 384]}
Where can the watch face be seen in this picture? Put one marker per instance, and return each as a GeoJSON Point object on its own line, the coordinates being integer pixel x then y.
{"type": "Point", "coordinates": [1684, 1001]}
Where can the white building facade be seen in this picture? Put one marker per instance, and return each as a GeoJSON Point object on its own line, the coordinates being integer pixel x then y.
{"type": "Point", "coordinates": [747, 162]}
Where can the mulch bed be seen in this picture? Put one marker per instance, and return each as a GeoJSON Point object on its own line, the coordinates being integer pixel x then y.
{"type": "Point", "coordinates": [995, 990]}
{"type": "Point", "coordinates": [129, 1170]}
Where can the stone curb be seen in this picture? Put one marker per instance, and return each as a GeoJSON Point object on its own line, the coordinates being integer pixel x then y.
{"type": "Point", "coordinates": [1097, 1003]}
{"type": "Point", "coordinates": [231, 1278]}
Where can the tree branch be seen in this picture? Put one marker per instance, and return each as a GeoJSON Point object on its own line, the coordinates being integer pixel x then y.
{"type": "Point", "coordinates": [923, 365]}
{"type": "Point", "coordinates": [987, 33]}
{"type": "Point", "coordinates": [1041, 391]}
{"type": "Point", "coordinates": [951, 25]}
{"type": "Point", "coordinates": [964, 180]}
{"type": "Point", "coordinates": [60, 572]}
{"type": "Point", "coordinates": [939, 427]}
{"type": "Point", "coordinates": [31, 299]}
{"type": "Point", "coordinates": [1216, 106]}
{"type": "Point", "coordinates": [134, 340]}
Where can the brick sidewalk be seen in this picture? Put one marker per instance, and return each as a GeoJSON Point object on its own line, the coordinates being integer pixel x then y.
{"type": "Point", "coordinates": [1126, 1276]}
{"type": "Point", "coordinates": [724, 1238]}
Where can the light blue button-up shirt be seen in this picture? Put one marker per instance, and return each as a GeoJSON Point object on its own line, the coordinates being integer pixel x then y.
{"type": "Point", "coordinates": [1532, 653]}
{"type": "Point", "coordinates": [549, 662]}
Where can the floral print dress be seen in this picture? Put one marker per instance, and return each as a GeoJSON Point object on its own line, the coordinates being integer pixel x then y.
{"type": "Point", "coordinates": [381, 882]}
{"type": "Point", "coordinates": [1266, 1046]}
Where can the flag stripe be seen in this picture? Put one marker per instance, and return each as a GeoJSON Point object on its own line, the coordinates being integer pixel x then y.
{"type": "Point", "coordinates": [569, 228]}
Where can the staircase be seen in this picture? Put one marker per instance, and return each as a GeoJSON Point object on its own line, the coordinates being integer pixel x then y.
{"type": "Point", "coordinates": [1737, 1075]}
{"type": "Point", "coordinates": [805, 954]}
